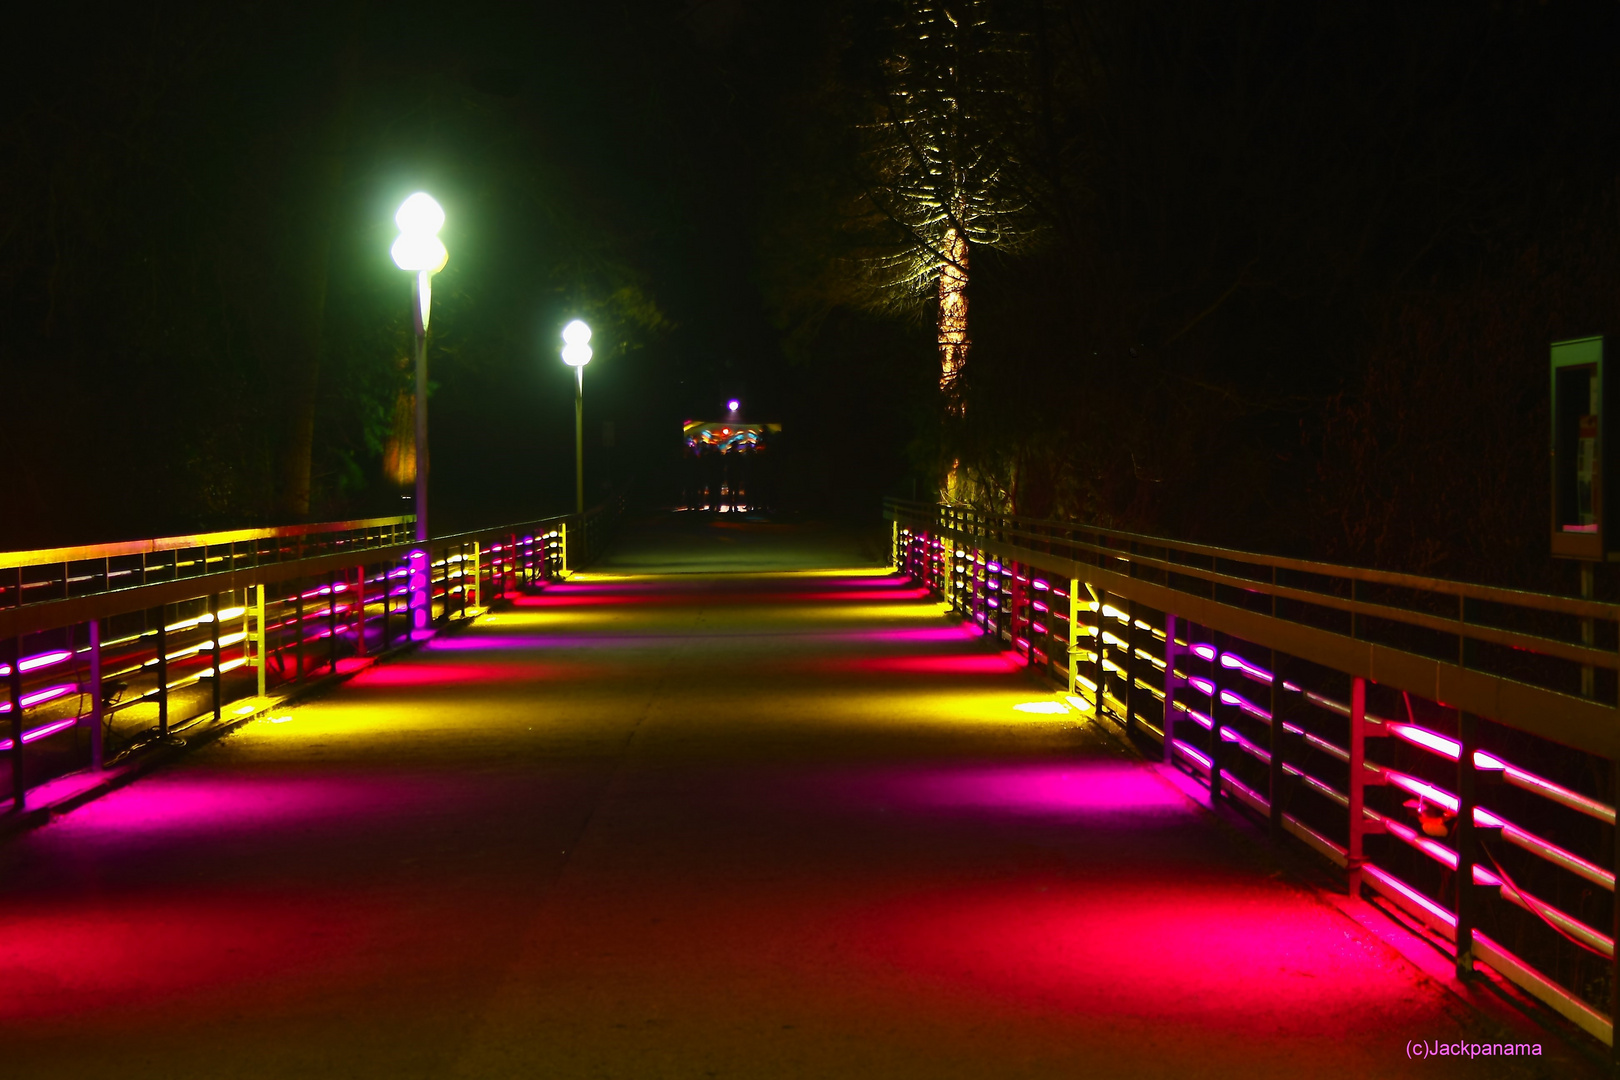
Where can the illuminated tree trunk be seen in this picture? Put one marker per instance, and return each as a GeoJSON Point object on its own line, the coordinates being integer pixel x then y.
{"type": "Point", "coordinates": [953, 309]}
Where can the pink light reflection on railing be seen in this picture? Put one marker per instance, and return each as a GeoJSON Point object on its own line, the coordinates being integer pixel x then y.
{"type": "Point", "coordinates": [40, 732]}
{"type": "Point", "coordinates": [39, 697]}
{"type": "Point", "coordinates": [37, 661]}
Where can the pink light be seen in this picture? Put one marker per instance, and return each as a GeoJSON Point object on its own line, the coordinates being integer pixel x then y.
{"type": "Point", "coordinates": [39, 697]}
{"type": "Point", "coordinates": [1040, 585]}
{"type": "Point", "coordinates": [971, 664]}
{"type": "Point", "coordinates": [37, 661]}
{"type": "Point", "coordinates": [1038, 606]}
{"type": "Point", "coordinates": [1194, 754]}
{"type": "Point", "coordinates": [1206, 652]}
{"type": "Point", "coordinates": [1201, 718]}
{"type": "Point", "coordinates": [419, 593]}
{"type": "Point", "coordinates": [1438, 743]}
{"type": "Point", "coordinates": [1422, 790]}
{"type": "Point", "coordinates": [1229, 698]}
{"type": "Point", "coordinates": [40, 732]}
{"type": "Point", "coordinates": [1438, 913]}
{"type": "Point", "coordinates": [1202, 685]}
{"type": "Point", "coordinates": [1229, 660]}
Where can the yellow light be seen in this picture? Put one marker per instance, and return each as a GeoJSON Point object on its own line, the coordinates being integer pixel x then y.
{"type": "Point", "coordinates": [232, 612]}
{"type": "Point", "coordinates": [1047, 707]}
{"type": "Point", "coordinates": [577, 333]}
{"type": "Point", "coordinates": [576, 355]}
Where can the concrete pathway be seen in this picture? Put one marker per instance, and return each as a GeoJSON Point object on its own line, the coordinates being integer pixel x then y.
{"type": "Point", "coordinates": [737, 804]}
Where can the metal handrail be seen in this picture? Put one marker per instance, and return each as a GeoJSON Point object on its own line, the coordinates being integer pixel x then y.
{"type": "Point", "coordinates": [118, 548]}
{"type": "Point", "coordinates": [1085, 611]}
{"type": "Point", "coordinates": [162, 642]}
{"type": "Point", "coordinates": [1567, 605]}
{"type": "Point", "coordinates": [1478, 684]}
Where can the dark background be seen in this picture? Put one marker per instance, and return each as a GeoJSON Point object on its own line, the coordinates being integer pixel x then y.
{"type": "Point", "coordinates": [1295, 274]}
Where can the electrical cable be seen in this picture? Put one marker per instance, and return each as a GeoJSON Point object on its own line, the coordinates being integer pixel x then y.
{"type": "Point", "coordinates": [1532, 908]}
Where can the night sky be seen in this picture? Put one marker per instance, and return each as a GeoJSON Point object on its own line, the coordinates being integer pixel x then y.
{"type": "Point", "coordinates": [1289, 275]}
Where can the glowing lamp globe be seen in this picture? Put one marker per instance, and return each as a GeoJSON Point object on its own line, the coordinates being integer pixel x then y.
{"type": "Point", "coordinates": [576, 350]}
{"type": "Point", "coordinates": [419, 254]}
{"type": "Point", "coordinates": [733, 404]}
{"type": "Point", "coordinates": [419, 215]}
{"type": "Point", "coordinates": [419, 248]}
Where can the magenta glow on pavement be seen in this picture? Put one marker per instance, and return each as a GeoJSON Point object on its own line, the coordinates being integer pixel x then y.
{"type": "Point", "coordinates": [1087, 789]}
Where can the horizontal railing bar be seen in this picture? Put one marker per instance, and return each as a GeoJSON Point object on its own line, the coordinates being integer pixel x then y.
{"type": "Point", "coordinates": [928, 515]}
{"type": "Point", "coordinates": [50, 614]}
{"type": "Point", "coordinates": [1477, 631]}
{"type": "Point", "coordinates": [1577, 722]}
{"type": "Point", "coordinates": [118, 548]}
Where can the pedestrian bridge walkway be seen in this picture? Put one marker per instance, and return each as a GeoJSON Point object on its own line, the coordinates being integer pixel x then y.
{"type": "Point", "coordinates": [739, 801]}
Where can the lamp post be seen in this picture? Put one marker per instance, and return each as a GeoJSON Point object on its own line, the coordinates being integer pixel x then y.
{"type": "Point", "coordinates": [419, 250]}
{"type": "Point", "coordinates": [576, 353]}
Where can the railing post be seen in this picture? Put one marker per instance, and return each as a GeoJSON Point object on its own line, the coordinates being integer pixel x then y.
{"type": "Point", "coordinates": [1074, 636]}
{"type": "Point", "coordinates": [261, 657]}
{"type": "Point", "coordinates": [331, 621]}
{"type": "Point", "coordinates": [1171, 682]}
{"type": "Point", "coordinates": [298, 631]}
{"type": "Point", "coordinates": [419, 590]}
{"type": "Point", "coordinates": [1021, 612]}
{"type": "Point", "coordinates": [219, 657]}
{"type": "Point", "coordinates": [1467, 852]}
{"type": "Point", "coordinates": [162, 673]}
{"type": "Point", "coordinates": [14, 693]}
{"type": "Point", "coordinates": [1216, 743]}
{"type": "Point", "coordinates": [388, 606]}
{"type": "Point", "coordinates": [1099, 668]}
{"type": "Point", "coordinates": [894, 546]}
{"type": "Point", "coordinates": [98, 754]}
{"type": "Point", "coordinates": [1131, 645]}
{"type": "Point", "coordinates": [360, 610]}
{"type": "Point", "coordinates": [1355, 854]}
{"type": "Point", "coordinates": [478, 574]}
{"type": "Point", "coordinates": [1614, 924]}
{"type": "Point", "coordinates": [1276, 779]}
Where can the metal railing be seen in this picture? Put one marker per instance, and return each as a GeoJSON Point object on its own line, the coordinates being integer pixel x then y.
{"type": "Point", "coordinates": [115, 647]}
{"type": "Point", "coordinates": [1451, 746]}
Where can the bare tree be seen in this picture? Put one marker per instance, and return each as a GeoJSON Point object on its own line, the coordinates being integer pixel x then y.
{"type": "Point", "coordinates": [942, 168]}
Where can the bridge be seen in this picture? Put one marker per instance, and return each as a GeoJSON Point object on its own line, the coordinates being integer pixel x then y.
{"type": "Point", "coordinates": [688, 794]}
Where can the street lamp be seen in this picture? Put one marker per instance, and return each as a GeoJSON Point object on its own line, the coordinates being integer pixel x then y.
{"type": "Point", "coordinates": [576, 353]}
{"type": "Point", "coordinates": [420, 251]}
{"type": "Point", "coordinates": [733, 404]}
